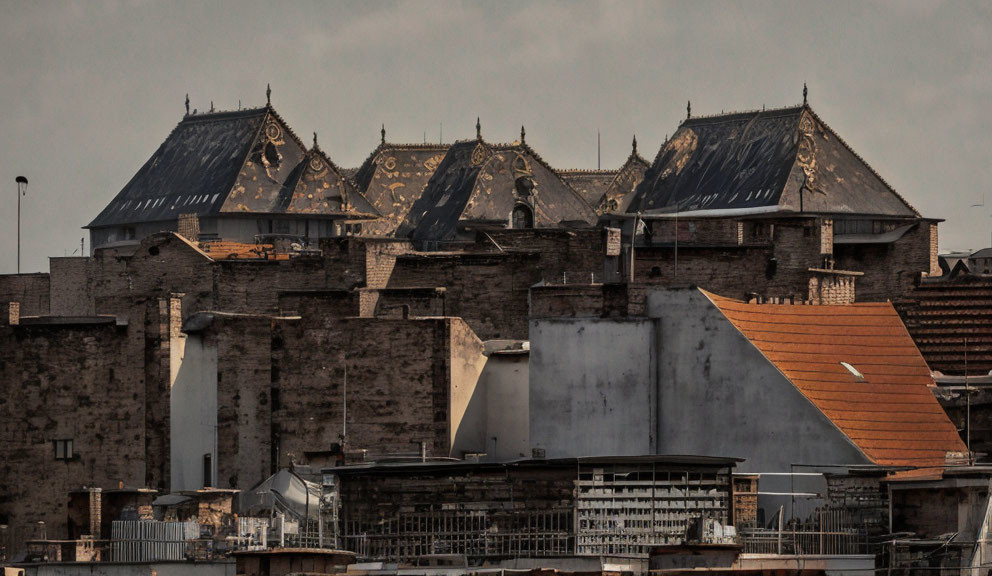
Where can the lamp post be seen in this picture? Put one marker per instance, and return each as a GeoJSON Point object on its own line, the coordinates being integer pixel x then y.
{"type": "Point", "coordinates": [22, 189]}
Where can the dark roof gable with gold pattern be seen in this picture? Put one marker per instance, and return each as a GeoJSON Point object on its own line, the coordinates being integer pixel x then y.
{"type": "Point", "coordinates": [784, 160]}
{"type": "Point", "coordinates": [393, 178]}
{"type": "Point", "coordinates": [608, 190]}
{"type": "Point", "coordinates": [483, 183]}
{"type": "Point", "coordinates": [248, 161]}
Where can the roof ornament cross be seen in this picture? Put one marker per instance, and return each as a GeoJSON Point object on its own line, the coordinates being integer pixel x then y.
{"type": "Point", "coordinates": [268, 94]}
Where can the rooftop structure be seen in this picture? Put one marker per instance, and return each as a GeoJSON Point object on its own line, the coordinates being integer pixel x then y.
{"type": "Point", "coordinates": [236, 175]}
{"type": "Point", "coordinates": [785, 160]}
{"type": "Point", "coordinates": [500, 185]}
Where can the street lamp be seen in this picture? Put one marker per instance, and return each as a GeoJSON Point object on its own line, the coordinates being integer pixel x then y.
{"type": "Point", "coordinates": [22, 189]}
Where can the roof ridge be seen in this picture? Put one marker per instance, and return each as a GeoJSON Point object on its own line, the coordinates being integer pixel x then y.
{"type": "Point", "coordinates": [863, 161]}
{"type": "Point", "coordinates": [728, 116]}
{"type": "Point", "coordinates": [589, 171]}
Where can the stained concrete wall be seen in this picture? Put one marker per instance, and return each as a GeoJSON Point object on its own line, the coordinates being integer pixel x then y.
{"type": "Point", "coordinates": [682, 381]}
{"type": "Point", "coordinates": [506, 387]}
{"type": "Point", "coordinates": [193, 403]}
{"type": "Point", "coordinates": [710, 374]}
{"type": "Point", "coordinates": [592, 386]}
{"type": "Point", "coordinates": [466, 417]}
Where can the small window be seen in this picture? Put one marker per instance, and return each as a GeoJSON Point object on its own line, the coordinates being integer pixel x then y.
{"type": "Point", "coordinates": [63, 449]}
{"type": "Point", "coordinates": [522, 217]}
{"type": "Point", "coordinates": [858, 376]}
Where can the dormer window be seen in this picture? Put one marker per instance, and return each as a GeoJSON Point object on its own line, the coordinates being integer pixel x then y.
{"type": "Point", "coordinates": [522, 217]}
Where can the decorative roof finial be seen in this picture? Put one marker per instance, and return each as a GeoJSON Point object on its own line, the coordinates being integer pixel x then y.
{"type": "Point", "coordinates": [478, 129]}
{"type": "Point", "coordinates": [382, 134]}
{"type": "Point", "coordinates": [634, 145]}
{"type": "Point", "coordinates": [805, 94]}
{"type": "Point", "coordinates": [314, 139]}
{"type": "Point", "coordinates": [187, 103]}
{"type": "Point", "coordinates": [211, 105]}
{"type": "Point", "coordinates": [523, 134]}
{"type": "Point", "coordinates": [268, 94]}
{"type": "Point", "coordinates": [688, 110]}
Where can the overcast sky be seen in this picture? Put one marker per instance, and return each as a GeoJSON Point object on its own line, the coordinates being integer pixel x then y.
{"type": "Point", "coordinates": [91, 89]}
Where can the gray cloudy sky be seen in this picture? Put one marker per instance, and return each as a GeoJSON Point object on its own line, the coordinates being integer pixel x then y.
{"type": "Point", "coordinates": [90, 89]}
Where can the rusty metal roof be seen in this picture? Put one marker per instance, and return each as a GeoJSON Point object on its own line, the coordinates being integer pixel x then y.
{"type": "Point", "coordinates": [892, 415]}
{"type": "Point", "coordinates": [763, 161]}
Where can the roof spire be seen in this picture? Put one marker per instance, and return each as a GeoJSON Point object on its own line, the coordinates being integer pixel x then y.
{"type": "Point", "coordinates": [633, 145]}
{"type": "Point", "coordinates": [187, 103]}
{"type": "Point", "coordinates": [523, 134]}
{"type": "Point", "coordinates": [268, 94]}
{"type": "Point", "coordinates": [478, 129]}
{"type": "Point", "coordinates": [688, 110]}
{"type": "Point", "coordinates": [382, 134]}
{"type": "Point", "coordinates": [314, 139]}
{"type": "Point", "coordinates": [211, 105]}
{"type": "Point", "coordinates": [805, 94]}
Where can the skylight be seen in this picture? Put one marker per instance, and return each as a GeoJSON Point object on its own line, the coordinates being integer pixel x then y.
{"type": "Point", "coordinates": [854, 371]}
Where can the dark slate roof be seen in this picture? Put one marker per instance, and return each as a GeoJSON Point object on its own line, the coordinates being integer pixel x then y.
{"type": "Point", "coordinates": [393, 178]}
{"type": "Point", "coordinates": [476, 182]}
{"type": "Point", "coordinates": [757, 162]}
{"type": "Point", "coordinates": [248, 161]}
{"type": "Point", "coordinates": [590, 184]}
{"type": "Point", "coordinates": [983, 253]}
{"type": "Point", "coordinates": [607, 190]}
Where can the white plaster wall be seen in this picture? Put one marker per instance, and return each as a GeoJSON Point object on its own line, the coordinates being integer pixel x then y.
{"type": "Point", "coordinates": [193, 404]}
{"type": "Point", "coordinates": [505, 381]}
{"type": "Point", "coordinates": [592, 386]}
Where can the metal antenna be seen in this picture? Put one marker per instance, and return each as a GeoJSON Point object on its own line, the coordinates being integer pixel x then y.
{"type": "Point", "coordinates": [22, 190]}
{"type": "Point", "coordinates": [599, 152]}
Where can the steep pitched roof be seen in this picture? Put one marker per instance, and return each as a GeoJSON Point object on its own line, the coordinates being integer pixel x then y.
{"type": "Point", "coordinates": [318, 186]}
{"type": "Point", "coordinates": [477, 181]}
{"type": "Point", "coordinates": [608, 190]}
{"type": "Point", "coordinates": [758, 162]}
{"type": "Point", "coordinates": [941, 312]}
{"type": "Point", "coordinates": [393, 177]}
{"type": "Point", "coordinates": [892, 415]}
{"type": "Point", "coordinates": [217, 163]}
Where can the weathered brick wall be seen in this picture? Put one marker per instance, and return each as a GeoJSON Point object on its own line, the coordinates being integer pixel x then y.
{"type": "Point", "coordinates": [31, 290]}
{"type": "Point", "coordinates": [707, 231]}
{"type": "Point", "coordinates": [398, 378]}
{"type": "Point", "coordinates": [578, 300]}
{"type": "Point", "coordinates": [72, 286]}
{"type": "Point", "coordinates": [319, 303]}
{"type": "Point", "coordinates": [891, 270]}
{"type": "Point", "coordinates": [733, 271]}
{"type": "Point", "coordinates": [244, 402]}
{"type": "Point", "coordinates": [77, 382]}
{"type": "Point", "coordinates": [489, 288]}
{"type": "Point", "coordinates": [831, 289]}
{"type": "Point", "coordinates": [389, 302]}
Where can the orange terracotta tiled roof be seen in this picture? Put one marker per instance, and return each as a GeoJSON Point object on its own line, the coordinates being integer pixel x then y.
{"type": "Point", "coordinates": [892, 415]}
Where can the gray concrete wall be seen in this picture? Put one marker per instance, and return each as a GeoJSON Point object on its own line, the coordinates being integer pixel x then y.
{"type": "Point", "coordinates": [193, 405]}
{"type": "Point", "coordinates": [592, 386]}
{"type": "Point", "coordinates": [718, 395]}
{"type": "Point", "coordinates": [505, 381]}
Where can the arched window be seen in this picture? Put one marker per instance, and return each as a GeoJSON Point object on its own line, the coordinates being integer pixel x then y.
{"type": "Point", "coordinates": [522, 217]}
